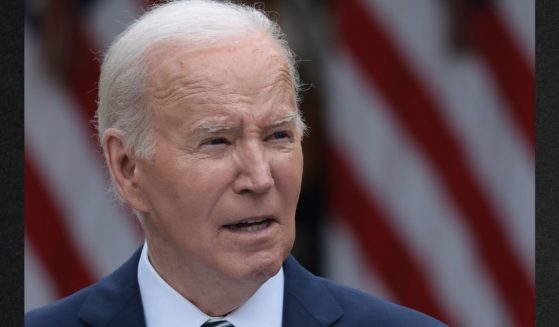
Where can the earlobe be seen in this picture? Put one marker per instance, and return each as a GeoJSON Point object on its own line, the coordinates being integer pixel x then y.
{"type": "Point", "coordinates": [122, 168]}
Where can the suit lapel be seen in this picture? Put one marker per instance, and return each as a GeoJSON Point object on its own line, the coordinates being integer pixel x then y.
{"type": "Point", "coordinates": [306, 300]}
{"type": "Point", "coordinates": [116, 300]}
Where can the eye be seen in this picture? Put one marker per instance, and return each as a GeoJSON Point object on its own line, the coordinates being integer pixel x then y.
{"type": "Point", "coordinates": [216, 141]}
{"type": "Point", "coordinates": [279, 135]}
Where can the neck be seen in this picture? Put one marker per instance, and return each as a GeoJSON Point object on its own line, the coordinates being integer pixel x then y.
{"type": "Point", "coordinates": [220, 302]}
{"type": "Point", "coordinates": [210, 291]}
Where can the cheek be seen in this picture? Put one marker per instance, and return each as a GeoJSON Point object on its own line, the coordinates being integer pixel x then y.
{"type": "Point", "coordinates": [172, 191]}
{"type": "Point", "coordinates": [202, 186]}
{"type": "Point", "coordinates": [289, 173]}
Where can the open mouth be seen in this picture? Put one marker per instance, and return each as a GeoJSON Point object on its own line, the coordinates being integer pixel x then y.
{"type": "Point", "coordinates": [251, 225]}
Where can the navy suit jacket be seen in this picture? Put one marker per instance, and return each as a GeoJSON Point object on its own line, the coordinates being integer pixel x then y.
{"type": "Point", "coordinates": [308, 301]}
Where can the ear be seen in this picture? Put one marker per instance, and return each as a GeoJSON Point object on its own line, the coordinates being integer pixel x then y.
{"type": "Point", "coordinates": [123, 169]}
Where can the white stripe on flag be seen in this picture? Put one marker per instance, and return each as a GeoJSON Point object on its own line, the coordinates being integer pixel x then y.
{"type": "Point", "coordinates": [390, 167]}
{"type": "Point", "coordinates": [107, 19]}
{"type": "Point", "coordinates": [473, 109]}
{"type": "Point", "coordinates": [39, 289]}
{"type": "Point", "coordinates": [64, 155]}
{"type": "Point", "coordinates": [520, 18]}
{"type": "Point", "coordinates": [345, 262]}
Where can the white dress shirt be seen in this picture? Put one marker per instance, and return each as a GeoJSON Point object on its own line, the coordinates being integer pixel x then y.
{"type": "Point", "coordinates": [165, 307]}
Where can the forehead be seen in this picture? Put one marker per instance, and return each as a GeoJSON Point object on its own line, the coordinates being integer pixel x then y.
{"type": "Point", "coordinates": [246, 73]}
{"type": "Point", "coordinates": [249, 62]}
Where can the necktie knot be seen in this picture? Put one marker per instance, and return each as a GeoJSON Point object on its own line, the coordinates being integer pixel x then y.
{"type": "Point", "coordinates": [217, 323]}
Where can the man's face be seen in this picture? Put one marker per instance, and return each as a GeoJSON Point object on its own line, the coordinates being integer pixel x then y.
{"type": "Point", "coordinates": [222, 189]}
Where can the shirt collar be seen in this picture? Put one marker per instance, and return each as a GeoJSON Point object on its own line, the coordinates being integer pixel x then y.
{"type": "Point", "coordinates": [163, 306]}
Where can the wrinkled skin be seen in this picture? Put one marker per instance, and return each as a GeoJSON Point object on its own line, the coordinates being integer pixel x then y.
{"type": "Point", "coordinates": [228, 150]}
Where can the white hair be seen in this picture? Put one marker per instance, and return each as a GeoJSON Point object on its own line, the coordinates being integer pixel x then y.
{"type": "Point", "coordinates": [195, 23]}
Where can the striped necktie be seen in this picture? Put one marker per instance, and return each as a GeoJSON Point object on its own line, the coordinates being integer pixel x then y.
{"type": "Point", "coordinates": [217, 323]}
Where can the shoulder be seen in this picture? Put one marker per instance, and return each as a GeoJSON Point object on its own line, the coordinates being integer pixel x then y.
{"type": "Point", "coordinates": [114, 296]}
{"type": "Point", "coordinates": [362, 308]}
{"type": "Point", "coordinates": [321, 302]}
{"type": "Point", "coordinates": [63, 312]}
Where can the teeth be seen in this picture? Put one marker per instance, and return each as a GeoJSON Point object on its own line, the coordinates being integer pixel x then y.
{"type": "Point", "coordinates": [252, 221]}
{"type": "Point", "coordinates": [250, 225]}
{"type": "Point", "coordinates": [252, 228]}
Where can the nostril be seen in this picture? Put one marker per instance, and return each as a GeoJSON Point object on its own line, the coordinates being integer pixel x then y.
{"type": "Point", "coordinates": [254, 182]}
{"type": "Point", "coordinates": [254, 170]}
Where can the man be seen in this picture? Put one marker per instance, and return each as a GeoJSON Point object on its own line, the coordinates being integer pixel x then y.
{"type": "Point", "coordinates": [200, 129]}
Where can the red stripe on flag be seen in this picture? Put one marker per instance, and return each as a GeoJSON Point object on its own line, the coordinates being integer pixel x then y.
{"type": "Point", "coordinates": [419, 114]}
{"type": "Point", "coordinates": [512, 72]}
{"type": "Point", "coordinates": [83, 74]}
{"type": "Point", "coordinates": [82, 79]}
{"type": "Point", "coordinates": [70, 53]}
{"type": "Point", "coordinates": [394, 263]}
{"type": "Point", "coordinates": [49, 236]}
{"type": "Point", "coordinates": [147, 4]}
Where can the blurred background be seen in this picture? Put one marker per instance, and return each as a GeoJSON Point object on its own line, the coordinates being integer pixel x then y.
{"type": "Point", "coordinates": [419, 168]}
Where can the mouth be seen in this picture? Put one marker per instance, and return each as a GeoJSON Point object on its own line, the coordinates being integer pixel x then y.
{"type": "Point", "coordinates": [250, 225]}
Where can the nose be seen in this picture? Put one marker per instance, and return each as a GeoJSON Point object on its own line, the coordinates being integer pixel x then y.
{"type": "Point", "coordinates": [254, 171]}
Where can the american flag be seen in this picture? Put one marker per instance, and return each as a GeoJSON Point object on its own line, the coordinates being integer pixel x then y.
{"type": "Point", "coordinates": [428, 112]}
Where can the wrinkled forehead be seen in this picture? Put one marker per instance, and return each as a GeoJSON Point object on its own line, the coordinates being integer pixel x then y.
{"type": "Point", "coordinates": [242, 60]}
{"type": "Point", "coordinates": [245, 74]}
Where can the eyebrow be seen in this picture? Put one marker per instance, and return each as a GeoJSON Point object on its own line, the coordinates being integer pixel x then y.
{"type": "Point", "coordinates": [210, 128]}
{"type": "Point", "coordinates": [213, 128]}
{"type": "Point", "coordinates": [289, 118]}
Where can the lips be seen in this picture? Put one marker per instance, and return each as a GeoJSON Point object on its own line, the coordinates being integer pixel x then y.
{"type": "Point", "coordinates": [250, 224]}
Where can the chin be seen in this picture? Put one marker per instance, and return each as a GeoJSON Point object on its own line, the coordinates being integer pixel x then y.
{"type": "Point", "coordinates": [259, 267]}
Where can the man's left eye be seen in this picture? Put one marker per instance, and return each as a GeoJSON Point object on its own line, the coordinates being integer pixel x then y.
{"type": "Point", "coordinates": [279, 135]}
